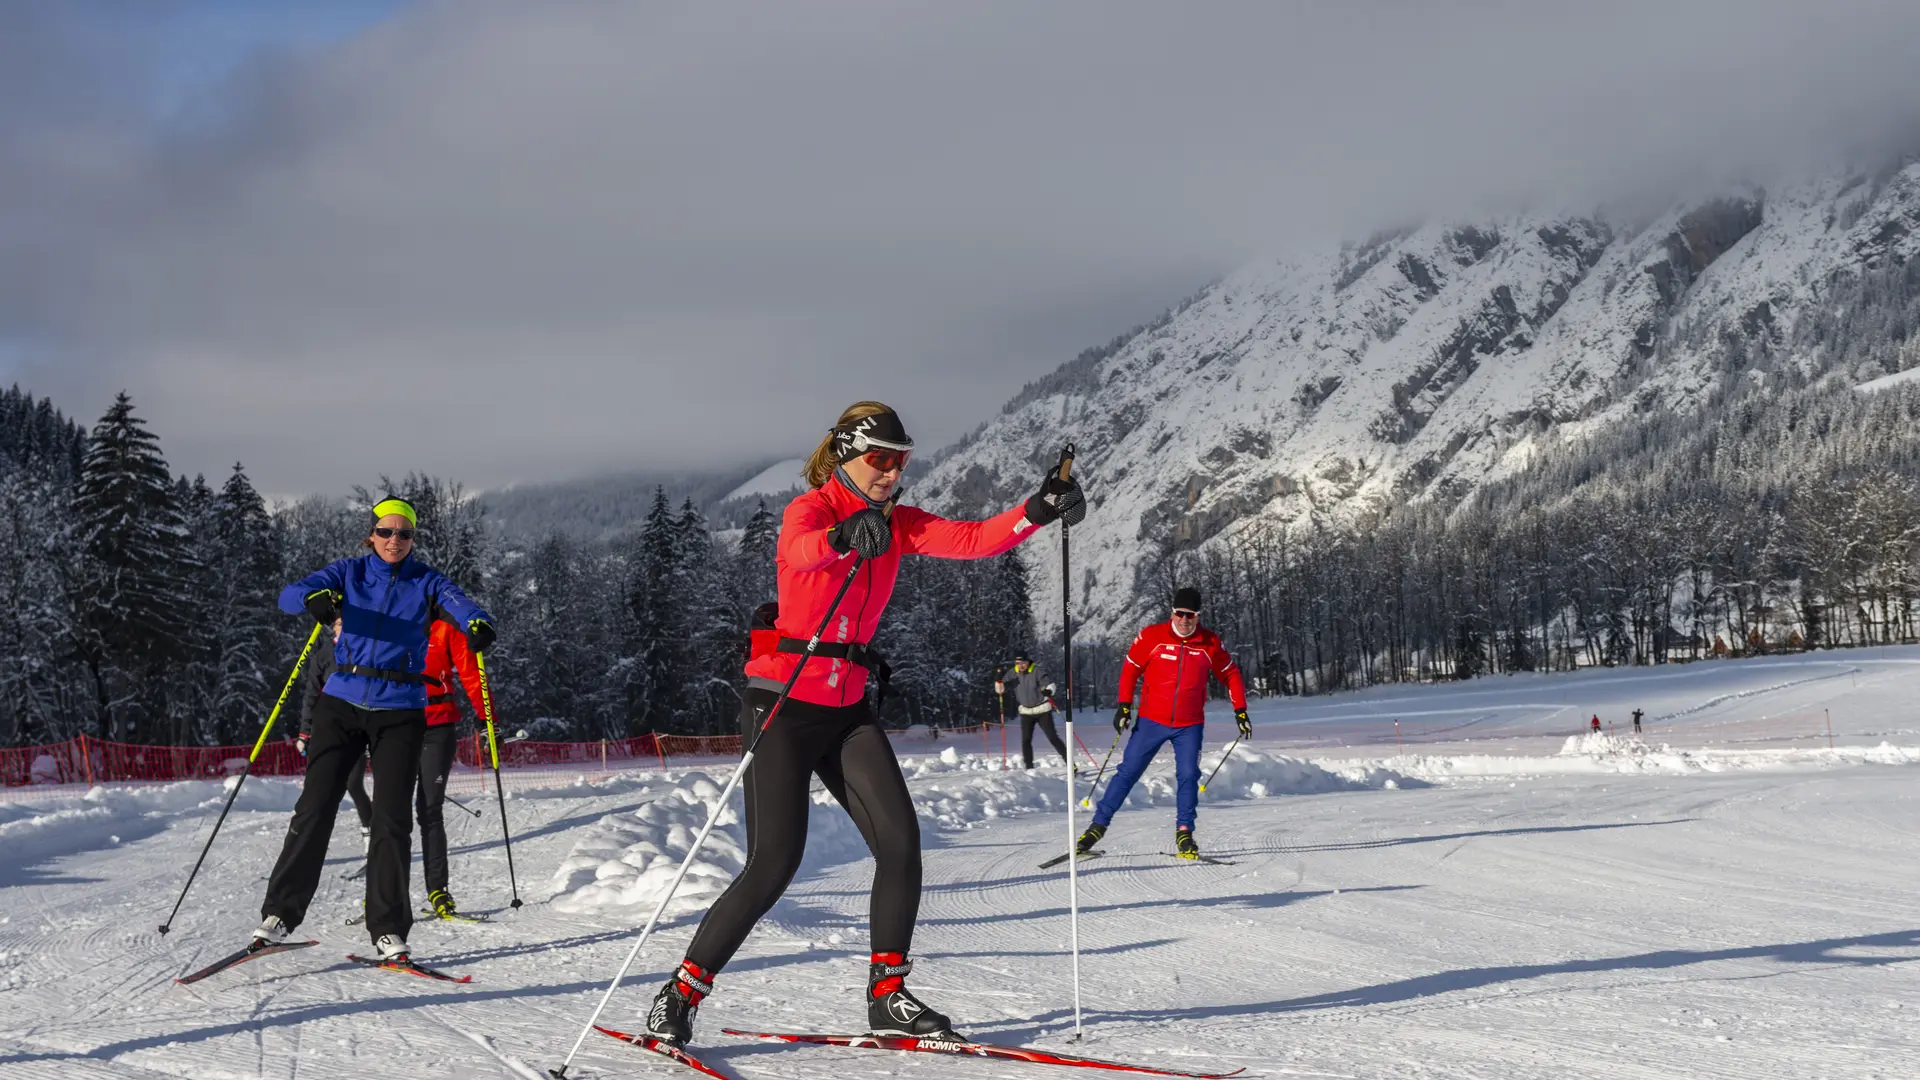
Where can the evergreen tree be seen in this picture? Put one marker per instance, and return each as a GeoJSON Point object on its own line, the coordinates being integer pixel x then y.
{"type": "Point", "coordinates": [129, 591]}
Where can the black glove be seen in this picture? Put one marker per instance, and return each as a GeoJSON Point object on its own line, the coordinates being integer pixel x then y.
{"type": "Point", "coordinates": [1123, 716]}
{"type": "Point", "coordinates": [1246, 723]}
{"type": "Point", "coordinates": [480, 635]}
{"type": "Point", "coordinates": [1057, 499]}
{"type": "Point", "coordinates": [322, 605]}
{"type": "Point", "coordinates": [867, 532]}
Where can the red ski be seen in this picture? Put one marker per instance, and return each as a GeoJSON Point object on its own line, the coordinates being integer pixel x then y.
{"type": "Point", "coordinates": [408, 967]}
{"type": "Point", "coordinates": [258, 948]}
{"type": "Point", "coordinates": [665, 1050]}
{"type": "Point", "coordinates": [974, 1049]}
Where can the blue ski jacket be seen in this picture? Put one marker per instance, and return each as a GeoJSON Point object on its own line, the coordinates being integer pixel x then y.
{"type": "Point", "coordinates": [385, 612]}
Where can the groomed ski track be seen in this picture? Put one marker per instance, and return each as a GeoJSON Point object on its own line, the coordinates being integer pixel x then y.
{"type": "Point", "coordinates": [1518, 921]}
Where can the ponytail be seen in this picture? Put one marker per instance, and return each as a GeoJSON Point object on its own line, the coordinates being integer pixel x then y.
{"type": "Point", "coordinates": [821, 463]}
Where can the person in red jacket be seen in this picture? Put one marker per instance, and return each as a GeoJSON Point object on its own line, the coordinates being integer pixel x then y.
{"type": "Point", "coordinates": [826, 728]}
{"type": "Point", "coordinates": [447, 656]}
{"type": "Point", "coordinates": [1171, 661]}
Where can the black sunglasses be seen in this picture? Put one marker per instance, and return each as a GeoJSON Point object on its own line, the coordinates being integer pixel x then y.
{"type": "Point", "coordinates": [1182, 613]}
{"type": "Point", "coordinates": [383, 532]}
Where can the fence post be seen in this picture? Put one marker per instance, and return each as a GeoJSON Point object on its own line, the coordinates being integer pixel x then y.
{"type": "Point", "coordinates": [1829, 713]}
{"type": "Point", "coordinates": [659, 750]}
{"type": "Point", "coordinates": [86, 760]}
{"type": "Point", "coordinates": [603, 755]}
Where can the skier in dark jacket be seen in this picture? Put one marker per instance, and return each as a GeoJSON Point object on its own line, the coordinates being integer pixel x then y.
{"type": "Point", "coordinates": [1035, 700]}
{"type": "Point", "coordinates": [826, 728]}
{"type": "Point", "coordinates": [374, 703]}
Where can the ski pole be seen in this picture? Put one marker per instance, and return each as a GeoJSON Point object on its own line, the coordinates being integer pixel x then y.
{"type": "Point", "coordinates": [1073, 839]}
{"type": "Point", "coordinates": [499, 790]}
{"type": "Point", "coordinates": [461, 805]}
{"type": "Point", "coordinates": [1223, 761]}
{"type": "Point", "coordinates": [245, 770]}
{"type": "Point", "coordinates": [1088, 801]}
{"type": "Point", "coordinates": [713, 815]}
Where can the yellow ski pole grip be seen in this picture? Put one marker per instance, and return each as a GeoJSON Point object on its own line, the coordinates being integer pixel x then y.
{"type": "Point", "coordinates": [486, 706]}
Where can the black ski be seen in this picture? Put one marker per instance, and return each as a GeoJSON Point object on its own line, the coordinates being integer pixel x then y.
{"type": "Point", "coordinates": [408, 967]}
{"type": "Point", "coordinates": [257, 948]}
{"type": "Point", "coordinates": [665, 1050]}
{"type": "Point", "coordinates": [1199, 858]}
{"type": "Point", "coordinates": [454, 916]}
{"type": "Point", "coordinates": [1058, 859]}
{"type": "Point", "coordinates": [937, 1045]}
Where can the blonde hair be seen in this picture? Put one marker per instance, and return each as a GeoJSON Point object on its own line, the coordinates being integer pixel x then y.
{"type": "Point", "coordinates": [821, 463]}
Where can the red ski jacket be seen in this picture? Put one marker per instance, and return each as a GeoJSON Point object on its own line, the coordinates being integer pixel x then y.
{"type": "Point", "coordinates": [1175, 670]}
{"type": "Point", "coordinates": [446, 652]}
{"type": "Point", "coordinates": [810, 572]}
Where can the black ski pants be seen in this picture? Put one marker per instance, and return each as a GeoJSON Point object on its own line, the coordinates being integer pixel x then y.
{"type": "Point", "coordinates": [846, 749]}
{"type": "Point", "coordinates": [390, 738]}
{"type": "Point", "coordinates": [357, 791]}
{"type": "Point", "coordinates": [1028, 721]}
{"type": "Point", "coordinates": [436, 762]}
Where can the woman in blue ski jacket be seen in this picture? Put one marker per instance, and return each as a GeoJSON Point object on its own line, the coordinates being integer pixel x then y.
{"type": "Point", "coordinates": [374, 703]}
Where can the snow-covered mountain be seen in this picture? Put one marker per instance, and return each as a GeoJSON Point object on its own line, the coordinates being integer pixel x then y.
{"type": "Point", "coordinates": [1428, 360]}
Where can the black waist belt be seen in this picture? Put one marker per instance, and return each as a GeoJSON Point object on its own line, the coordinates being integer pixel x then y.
{"type": "Point", "coordinates": [411, 677]}
{"type": "Point", "coordinates": [439, 699]}
{"type": "Point", "coordinates": [853, 652]}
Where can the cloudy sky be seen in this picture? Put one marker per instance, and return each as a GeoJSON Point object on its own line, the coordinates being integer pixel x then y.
{"type": "Point", "coordinates": [509, 242]}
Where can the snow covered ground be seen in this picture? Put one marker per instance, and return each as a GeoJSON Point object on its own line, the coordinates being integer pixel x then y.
{"type": "Point", "coordinates": [1500, 895]}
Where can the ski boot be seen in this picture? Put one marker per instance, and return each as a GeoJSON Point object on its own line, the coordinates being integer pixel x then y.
{"type": "Point", "coordinates": [441, 901]}
{"type": "Point", "coordinates": [892, 1010]}
{"type": "Point", "coordinates": [393, 949]}
{"type": "Point", "coordinates": [272, 932]}
{"type": "Point", "coordinates": [1184, 845]}
{"type": "Point", "coordinates": [671, 1018]}
{"type": "Point", "coordinates": [1089, 838]}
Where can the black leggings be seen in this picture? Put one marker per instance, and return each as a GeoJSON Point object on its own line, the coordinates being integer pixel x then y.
{"type": "Point", "coordinates": [848, 751]}
{"type": "Point", "coordinates": [1045, 722]}
{"type": "Point", "coordinates": [436, 761]}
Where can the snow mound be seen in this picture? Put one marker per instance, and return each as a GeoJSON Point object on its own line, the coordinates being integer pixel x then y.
{"type": "Point", "coordinates": [627, 860]}
{"type": "Point", "coordinates": [40, 829]}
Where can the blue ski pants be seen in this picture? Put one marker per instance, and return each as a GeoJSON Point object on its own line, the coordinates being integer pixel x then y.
{"type": "Point", "coordinates": [1147, 738]}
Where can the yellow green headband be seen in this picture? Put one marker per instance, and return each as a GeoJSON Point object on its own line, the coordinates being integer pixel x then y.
{"type": "Point", "coordinates": [395, 506]}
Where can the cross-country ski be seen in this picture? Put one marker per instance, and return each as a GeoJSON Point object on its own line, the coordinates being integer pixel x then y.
{"type": "Point", "coordinates": [253, 950]}
{"type": "Point", "coordinates": [965, 1048]}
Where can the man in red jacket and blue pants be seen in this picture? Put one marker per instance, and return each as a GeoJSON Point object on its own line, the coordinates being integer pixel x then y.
{"type": "Point", "coordinates": [1172, 661]}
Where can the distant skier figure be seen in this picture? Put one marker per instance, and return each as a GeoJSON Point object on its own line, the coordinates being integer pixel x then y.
{"type": "Point", "coordinates": [1636, 721]}
{"type": "Point", "coordinates": [1174, 658]}
{"type": "Point", "coordinates": [826, 728]}
{"type": "Point", "coordinates": [1596, 724]}
{"type": "Point", "coordinates": [374, 704]}
{"type": "Point", "coordinates": [1035, 700]}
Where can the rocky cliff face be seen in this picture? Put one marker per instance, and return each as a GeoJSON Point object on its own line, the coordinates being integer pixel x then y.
{"type": "Point", "coordinates": [1425, 361]}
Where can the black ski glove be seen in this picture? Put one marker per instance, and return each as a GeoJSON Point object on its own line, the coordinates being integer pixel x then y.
{"type": "Point", "coordinates": [323, 606]}
{"type": "Point", "coordinates": [1246, 723]}
{"type": "Point", "coordinates": [480, 635]}
{"type": "Point", "coordinates": [866, 531]}
{"type": "Point", "coordinates": [1123, 716]}
{"type": "Point", "coordinates": [1057, 499]}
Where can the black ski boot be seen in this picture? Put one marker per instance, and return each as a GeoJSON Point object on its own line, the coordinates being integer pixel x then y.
{"type": "Point", "coordinates": [1184, 844]}
{"type": "Point", "coordinates": [671, 1018]}
{"type": "Point", "coordinates": [1089, 838]}
{"type": "Point", "coordinates": [892, 1010]}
